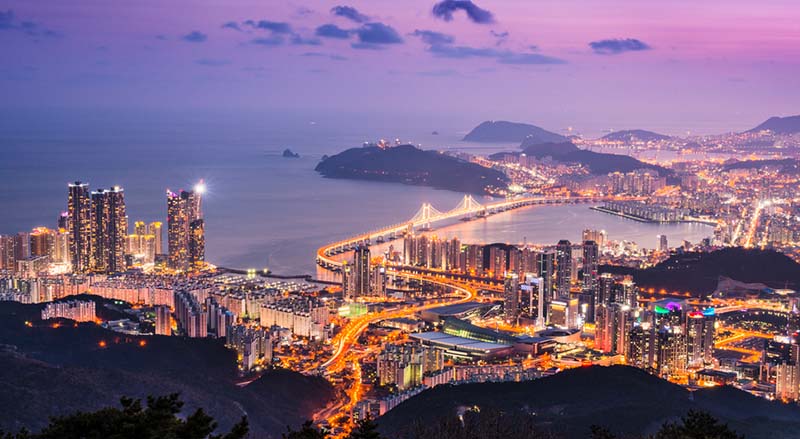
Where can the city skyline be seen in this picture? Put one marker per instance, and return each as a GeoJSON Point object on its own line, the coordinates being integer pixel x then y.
{"type": "Point", "coordinates": [504, 219]}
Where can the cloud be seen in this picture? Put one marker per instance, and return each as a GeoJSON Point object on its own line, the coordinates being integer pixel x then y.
{"type": "Point", "coordinates": [272, 40]}
{"type": "Point", "coordinates": [617, 46]}
{"type": "Point", "coordinates": [8, 22]}
{"type": "Point", "coordinates": [277, 33]}
{"type": "Point", "coordinates": [527, 58]}
{"type": "Point", "coordinates": [439, 73]}
{"type": "Point", "coordinates": [349, 13]}
{"type": "Point", "coordinates": [299, 40]}
{"type": "Point", "coordinates": [195, 37]}
{"type": "Point", "coordinates": [332, 31]}
{"type": "Point", "coordinates": [331, 56]}
{"type": "Point", "coordinates": [501, 56]}
{"type": "Point", "coordinates": [7, 19]}
{"type": "Point", "coordinates": [303, 11]}
{"type": "Point", "coordinates": [208, 62]}
{"type": "Point", "coordinates": [377, 34]}
{"type": "Point", "coordinates": [232, 25]}
{"type": "Point", "coordinates": [161, 37]}
{"type": "Point", "coordinates": [444, 10]}
{"type": "Point", "coordinates": [276, 27]}
{"type": "Point", "coordinates": [432, 37]}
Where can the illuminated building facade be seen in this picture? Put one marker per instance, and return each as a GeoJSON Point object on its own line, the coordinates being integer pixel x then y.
{"type": "Point", "coordinates": [109, 230]}
{"type": "Point", "coordinates": [563, 268]}
{"type": "Point", "coordinates": [185, 230]}
{"type": "Point", "coordinates": [511, 298]}
{"type": "Point", "coordinates": [361, 272]}
{"type": "Point", "coordinates": [79, 209]}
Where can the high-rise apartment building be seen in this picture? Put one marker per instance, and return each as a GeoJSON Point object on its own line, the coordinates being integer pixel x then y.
{"type": "Point", "coordinates": [109, 230]}
{"type": "Point", "coordinates": [79, 210]}
{"type": "Point", "coordinates": [563, 268]}
{"type": "Point", "coordinates": [185, 230]}
{"type": "Point", "coordinates": [361, 271]}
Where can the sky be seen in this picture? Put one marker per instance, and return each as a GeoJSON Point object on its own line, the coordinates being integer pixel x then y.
{"type": "Point", "coordinates": [675, 66]}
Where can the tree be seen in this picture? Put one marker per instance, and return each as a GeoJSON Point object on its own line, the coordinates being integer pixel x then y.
{"type": "Point", "coordinates": [306, 431]}
{"type": "Point", "coordinates": [598, 432]}
{"type": "Point", "coordinates": [158, 420]}
{"type": "Point", "coordinates": [365, 429]}
{"type": "Point", "coordinates": [697, 425]}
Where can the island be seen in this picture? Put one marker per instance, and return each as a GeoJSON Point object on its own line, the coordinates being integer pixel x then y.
{"type": "Point", "coordinates": [630, 136]}
{"type": "Point", "coordinates": [511, 132]}
{"type": "Point", "coordinates": [288, 153]}
{"type": "Point", "coordinates": [408, 164]}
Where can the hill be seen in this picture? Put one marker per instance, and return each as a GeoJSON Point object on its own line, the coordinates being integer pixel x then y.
{"type": "Point", "coordinates": [634, 136]}
{"type": "Point", "coordinates": [779, 125]}
{"type": "Point", "coordinates": [410, 165]}
{"type": "Point", "coordinates": [626, 400]}
{"type": "Point", "coordinates": [598, 163]}
{"type": "Point", "coordinates": [46, 371]}
{"type": "Point", "coordinates": [699, 273]}
{"type": "Point", "coordinates": [511, 132]}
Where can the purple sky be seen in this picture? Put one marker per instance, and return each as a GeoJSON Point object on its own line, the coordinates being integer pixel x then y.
{"type": "Point", "coordinates": [672, 65]}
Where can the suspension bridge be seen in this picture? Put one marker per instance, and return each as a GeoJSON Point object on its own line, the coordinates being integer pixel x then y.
{"type": "Point", "coordinates": [468, 208]}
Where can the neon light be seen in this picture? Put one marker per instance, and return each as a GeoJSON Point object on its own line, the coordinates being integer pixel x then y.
{"type": "Point", "coordinates": [710, 311]}
{"type": "Point", "coordinates": [673, 306]}
{"type": "Point", "coordinates": [661, 310]}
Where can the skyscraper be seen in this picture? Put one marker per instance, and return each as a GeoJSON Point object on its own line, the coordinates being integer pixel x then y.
{"type": "Point", "coordinates": [155, 229]}
{"type": "Point", "coordinates": [511, 299]}
{"type": "Point", "coordinates": [109, 230]}
{"type": "Point", "coordinates": [42, 242]}
{"type": "Point", "coordinates": [591, 260]}
{"type": "Point", "coordinates": [197, 243]}
{"type": "Point", "coordinates": [361, 271]}
{"type": "Point", "coordinates": [545, 267]}
{"type": "Point", "coordinates": [185, 229]}
{"type": "Point", "coordinates": [563, 267]}
{"type": "Point", "coordinates": [8, 261]}
{"type": "Point", "coordinates": [79, 209]}
{"type": "Point", "coordinates": [663, 246]}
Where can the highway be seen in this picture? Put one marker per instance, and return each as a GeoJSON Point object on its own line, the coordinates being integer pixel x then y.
{"type": "Point", "coordinates": [349, 335]}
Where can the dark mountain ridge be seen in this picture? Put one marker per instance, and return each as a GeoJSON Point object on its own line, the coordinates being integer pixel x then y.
{"type": "Point", "coordinates": [47, 371]}
{"type": "Point", "coordinates": [699, 273]}
{"type": "Point", "coordinates": [626, 400]}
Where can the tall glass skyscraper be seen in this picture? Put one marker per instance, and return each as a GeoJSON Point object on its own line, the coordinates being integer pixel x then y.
{"type": "Point", "coordinates": [185, 230]}
{"type": "Point", "coordinates": [109, 230]}
{"type": "Point", "coordinates": [79, 212]}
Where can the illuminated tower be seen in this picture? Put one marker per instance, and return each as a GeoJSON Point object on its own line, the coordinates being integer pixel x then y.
{"type": "Point", "coordinates": [361, 271]}
{"type": "Point", "coordinates": [109, 230]}
{"type": "Point", "coordinates": [177, 231]}
{"type": "Point", "coordinates": [545, 267]}
{"type": "Point", "coordinates": [185, 229]}
{"type": "Point", "coordinates": [197, 243]}
{"type": "Point", "coordinates": [591, 260]}
{"type": "Point", "coordinates": [158, 237]}
{"type": "Point", "coordinates": [42, 242]}
{"type": "Point", "coordinates": [563, 267]}
{"type": "Point", "coordinates": [511, 302]}
{"type": "Point", "coordinates": [79, 209]}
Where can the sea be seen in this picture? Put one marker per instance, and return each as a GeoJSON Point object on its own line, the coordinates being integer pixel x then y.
{"type": "Point", "coordinates": [261, 210]}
